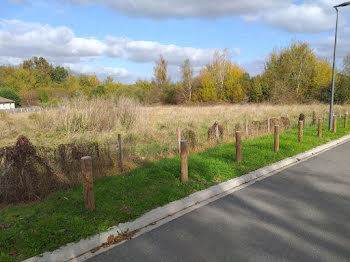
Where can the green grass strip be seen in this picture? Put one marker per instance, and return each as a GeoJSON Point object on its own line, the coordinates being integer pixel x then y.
{"type": "Point", "coordinates": [30, 230]}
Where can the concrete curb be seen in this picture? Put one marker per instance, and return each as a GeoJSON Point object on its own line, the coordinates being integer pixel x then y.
{"type": "Point", "coordinates": [80, 251]}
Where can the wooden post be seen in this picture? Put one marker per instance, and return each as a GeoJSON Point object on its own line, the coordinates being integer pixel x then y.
{"type": "Point", "coordinates": [277, 139]}
{"type": "Point", "coordinates": [313, 118]}
{"type": "Point", "coordinates": [217, 131]}
{"type": "Point", "coordinates": [300, 139]}
{"type": "Point", "coordinates": [246, 128]}
{"type": "Point", "coordinates": [184, 164]}
{"type": "Point", "coordinates": [346, 120]}
{"type": "Point", "coordinates": [319, 127]}
{"type": "Point", "coordinates": [88, 182]}
{"type": "Point", "coordinates": [238, 147]}
{"type": "Point", "coordinates": [179, 138]}
{"type": "Point", "coordinates": [334, 124]}
{"type": "Point", "coordinates": [268, 125]}
{"type": "Point", "coordinates": [120, 155]}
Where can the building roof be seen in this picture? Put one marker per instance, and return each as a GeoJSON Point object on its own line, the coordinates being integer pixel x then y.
{"type": "Point", "coordinates": [5, 100]}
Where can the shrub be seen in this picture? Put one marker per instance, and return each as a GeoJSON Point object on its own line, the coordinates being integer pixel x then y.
{"type": "Point", "coordinates": [10, 94]}
{"type": "Point", "coordinates": [127, 110]}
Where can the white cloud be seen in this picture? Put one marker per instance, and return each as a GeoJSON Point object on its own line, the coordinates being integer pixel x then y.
{"type": "Point", "coordinates": [120, 74]}
{"type": "Point", "coordinates": [308, 16]}
{"type": "Point", "coordinates": [324, 47]}
{"type": "Point", "coordinates": [59, 44]}
{"type": "Point", "coordinates": [305, 18]}
{"type": "Point", "coordinates": [11, 61]}
{"type": "Point", "coordinates": [149, 51]}
{"type": "Point", "coordinates": [256, 66]}
{"type": "Point", "coordinates": [184, 8]}
{"type": "Point", "coordinates": [22, 39]}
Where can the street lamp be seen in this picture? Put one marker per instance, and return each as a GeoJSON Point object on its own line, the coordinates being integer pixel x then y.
{"type": "Point", "coordinates": [333, 75]}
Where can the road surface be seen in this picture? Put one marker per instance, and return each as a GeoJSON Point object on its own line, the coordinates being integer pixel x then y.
{"type": "Point", "coordinates": [299, 214]}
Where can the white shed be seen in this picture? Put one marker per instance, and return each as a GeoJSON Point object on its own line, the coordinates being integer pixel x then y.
{"type": "Point", "coordinates": [6, 103]}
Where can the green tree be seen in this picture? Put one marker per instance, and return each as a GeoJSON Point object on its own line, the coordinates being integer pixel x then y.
{"type": "Point", "coordinates": [44, 97]}
{"type": "Point", "coordinates": [59, 74]}
{"type": "Point", "coordinates": [290, 73]}
{"type": "Point", "coordinates": [255, 93]}
{"type": "Point", "coordinates": [10, 94]}
{"type": "Point", "coordinates": [98, 91]}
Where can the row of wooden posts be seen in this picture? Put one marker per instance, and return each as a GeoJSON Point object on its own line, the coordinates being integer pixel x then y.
{"type": "Point", "coordinates": [86, 161]}
{"type": "Point", "coordinates": [183, 151]}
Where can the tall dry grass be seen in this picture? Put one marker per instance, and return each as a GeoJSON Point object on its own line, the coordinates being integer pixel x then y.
{"type": "Point", "coordinates": [148, 132]}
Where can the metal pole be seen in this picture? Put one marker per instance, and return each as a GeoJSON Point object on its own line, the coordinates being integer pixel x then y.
{"type": "Point", "coordinates": [333, 75]}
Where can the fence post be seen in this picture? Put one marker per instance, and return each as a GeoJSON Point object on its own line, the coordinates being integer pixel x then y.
{"type": "Point", "coordinates": [238, 147]}
{"type": "Point", "coordinates": [217, 136]}
{"type": "Point", "coordinates": [335, 124]}
{"type": "Point", "coordinates": [277, 139]}
{"type": "Point", "coordinates": [301, 124]}
{"type": "Point", "coordinates": [313, 118]}
{"type": "Point", "coordinates": [346, 120]}
{"type": "Point", "coordinates": [319, 127]}
{"type": "Point", "coordinates": [88, 182]}
{"type": "Point", "coordinates": [179, 138]}
{"type": "Point", "coordinates": [120, 154]}
{"type": "Point", "coordinates": [268, 125]}
{"type": "Point", "coordinates": [184, 162]}
{"type": "Point", "coordinates": [246, 128]}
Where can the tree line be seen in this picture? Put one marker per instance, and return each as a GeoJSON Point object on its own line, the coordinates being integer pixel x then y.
{"type": "Point", "coordinates": [293, 74]}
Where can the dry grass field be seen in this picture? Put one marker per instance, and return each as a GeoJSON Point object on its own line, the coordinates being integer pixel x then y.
{"type": "Point", "coordinates": [147, 131]}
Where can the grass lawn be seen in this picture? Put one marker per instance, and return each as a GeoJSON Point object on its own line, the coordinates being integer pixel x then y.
{"type": "Point", "coordinates": [30, 230]}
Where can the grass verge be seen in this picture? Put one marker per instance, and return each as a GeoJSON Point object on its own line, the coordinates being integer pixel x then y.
{"type": "Point", "coordinates": [30, 230]}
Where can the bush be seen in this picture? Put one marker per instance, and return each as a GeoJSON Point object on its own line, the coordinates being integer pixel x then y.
{"type": "Point", "coordinates": [44, 98]}
{"type": "Point", "coordinates": [128, 110]}
{"type": "Point", "coordinates": [10, 94]}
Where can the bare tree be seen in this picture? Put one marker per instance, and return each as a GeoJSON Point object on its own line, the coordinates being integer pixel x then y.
{"type": "Point", "coordinates": [187, 80]}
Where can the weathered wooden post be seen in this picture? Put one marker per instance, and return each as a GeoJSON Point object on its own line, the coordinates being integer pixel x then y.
{"type": "Point", "coordinates": [88, 182]}
{"type": "Point", "coordinates": [334, 124]}
{"type": "Point", "coordinates": [246, 128]}
{"type": "Point", "coordinates": [120, 153]}
{"type": "Point", "coordinates": [268, 125]}
{"type": "Point", "coordinates": [346, 120]}
{"type": "Point", "coordinates": [184, 162]}
{"type": "Point", "coordinates": [277, 139]}
{"type": "Point", "coordinates": [179, 138]}
{"type": "Point", "coordinates": [238, 147]}
{"type": "Point", "coordinates": [301, 124]}
{"type": "Point", "coordinates": [313, 118]}
{"type": "Point", "coordinates": [217, 136]}
{"type": "Point", "coordinates": [319, 127]}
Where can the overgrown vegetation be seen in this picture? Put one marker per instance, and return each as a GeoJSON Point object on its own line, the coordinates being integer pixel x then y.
{"type": "Point", "coordinates": [291, 75]}
{"type": "Point", "coordinates": [32, 229]}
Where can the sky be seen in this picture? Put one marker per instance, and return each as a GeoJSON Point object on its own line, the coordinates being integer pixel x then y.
{"type": "Point", "coordinates": [123, 38]}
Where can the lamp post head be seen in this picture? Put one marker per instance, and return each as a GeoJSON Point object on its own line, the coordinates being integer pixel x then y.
{"type": "Point", "coordinates": [343, 4]}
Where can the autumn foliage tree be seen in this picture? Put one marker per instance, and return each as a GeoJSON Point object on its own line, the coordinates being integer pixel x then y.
{"type": "Point", "coordinates": [294, 74]}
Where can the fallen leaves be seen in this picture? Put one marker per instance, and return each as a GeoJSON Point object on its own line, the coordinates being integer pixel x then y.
{"type": "Point", "coordinates": [111, 240]}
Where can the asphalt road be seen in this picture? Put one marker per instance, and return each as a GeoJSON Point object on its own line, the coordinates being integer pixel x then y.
{"type": "Point", "coordinates": [299, 214]}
